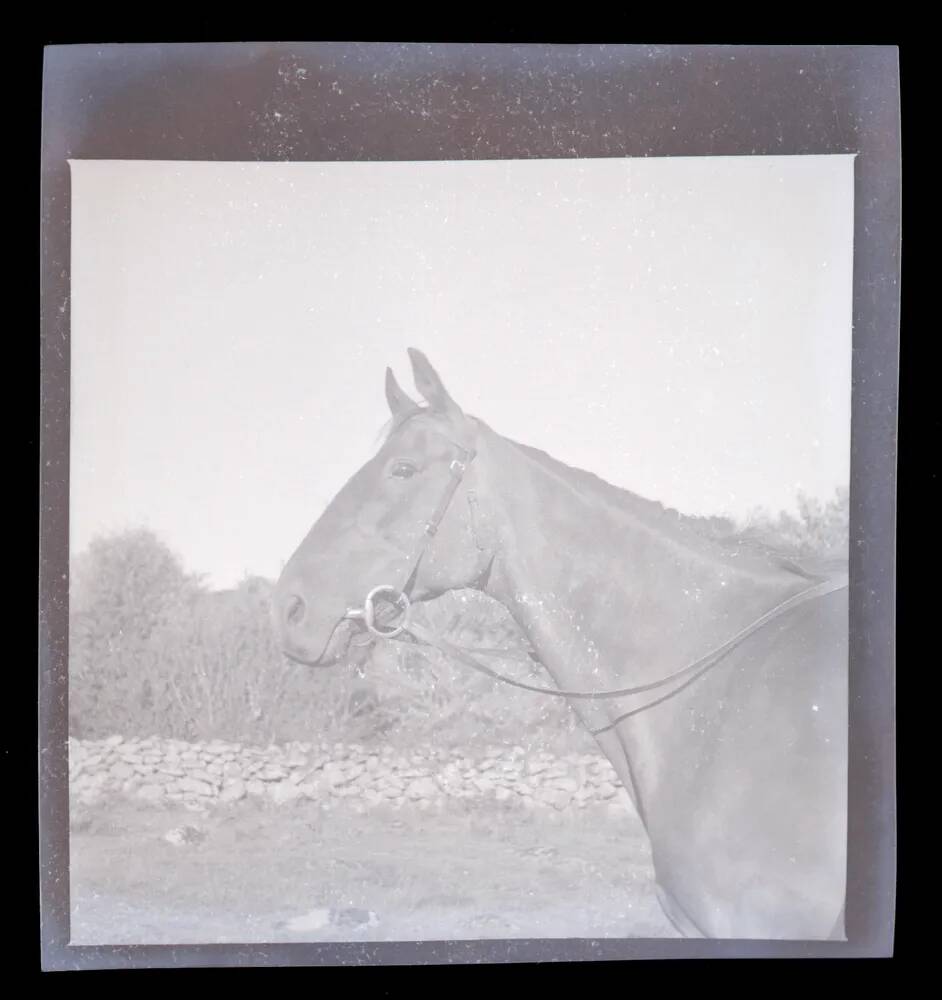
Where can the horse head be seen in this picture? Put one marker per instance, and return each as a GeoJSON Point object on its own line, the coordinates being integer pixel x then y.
{"type": "Point", "coordinates": [386, 533]}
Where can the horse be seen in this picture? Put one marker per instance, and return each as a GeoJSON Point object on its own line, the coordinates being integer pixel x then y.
{"type": "Point", "coordinates": [737, 769]}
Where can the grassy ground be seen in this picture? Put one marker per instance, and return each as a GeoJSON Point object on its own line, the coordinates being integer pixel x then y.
{"type": "Point", "coordinates": [259, 873]}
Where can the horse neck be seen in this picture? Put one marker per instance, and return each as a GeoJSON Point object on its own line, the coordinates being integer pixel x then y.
{"type": "Point", "coordinates": [613, 590]}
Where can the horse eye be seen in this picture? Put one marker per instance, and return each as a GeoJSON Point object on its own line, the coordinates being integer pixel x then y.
{"type": "Point", "coordinates": [403, 470]}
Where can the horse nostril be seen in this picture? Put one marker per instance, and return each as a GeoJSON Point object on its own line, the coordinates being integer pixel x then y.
{"type": "Point", "coordinates": [294, 610]}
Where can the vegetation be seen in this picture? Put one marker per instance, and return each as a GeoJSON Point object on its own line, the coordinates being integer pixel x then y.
{"type": "Point", "coordinates": [153, 651]}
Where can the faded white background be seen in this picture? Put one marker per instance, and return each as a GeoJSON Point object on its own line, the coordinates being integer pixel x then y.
{"type": "Point", "coordinates": [681, 327]}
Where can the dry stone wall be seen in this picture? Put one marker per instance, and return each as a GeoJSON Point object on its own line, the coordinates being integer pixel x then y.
{"type": "Point", "coordinates": [218, 773]}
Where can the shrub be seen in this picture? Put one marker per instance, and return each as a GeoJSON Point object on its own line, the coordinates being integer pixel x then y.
{"type": "Point", "coordinates": [124, 594]}
{"type": "Point", "coordinates": [819, 531]}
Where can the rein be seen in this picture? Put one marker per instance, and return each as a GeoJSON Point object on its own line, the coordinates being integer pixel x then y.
{"type": "Point", "coordinates": [695, 669]}
{"type": "Point", "coordinates": [419, 633]}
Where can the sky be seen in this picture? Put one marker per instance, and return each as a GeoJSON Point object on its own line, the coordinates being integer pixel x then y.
{"type": "Point", "coordinates": [679, 326]}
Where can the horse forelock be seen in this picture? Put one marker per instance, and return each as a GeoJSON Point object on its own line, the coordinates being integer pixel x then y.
{"type": "Point", "coordinates": [395, 424]}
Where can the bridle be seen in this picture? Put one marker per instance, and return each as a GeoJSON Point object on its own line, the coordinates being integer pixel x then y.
{"type": "Point", "coordinates": [456, 469]}
{"type": "Point", "coordinates": [688, 674]}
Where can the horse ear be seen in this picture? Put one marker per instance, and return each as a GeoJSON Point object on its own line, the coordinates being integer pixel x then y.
{"type": "Point", "coordinates": [430, 385]}
{"type": "Point", "coordinates": [399, 401]}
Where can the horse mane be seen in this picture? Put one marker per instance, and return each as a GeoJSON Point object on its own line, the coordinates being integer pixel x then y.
{"type": "Point", "coordinates": [667, 519]}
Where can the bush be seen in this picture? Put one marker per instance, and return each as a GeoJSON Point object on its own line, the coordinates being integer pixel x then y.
{"type": "Point", "coordinates": [125, 594]}
{"type": "Point", "coordinates": [819, 531]}
{"type": "Point", "coordinates": [153, 652]}
{"type": "Point", "coordinates": [424, 695]}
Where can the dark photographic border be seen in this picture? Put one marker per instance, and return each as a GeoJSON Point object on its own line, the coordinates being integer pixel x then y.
{"type": "Point", "coordinates": [372, 101]}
